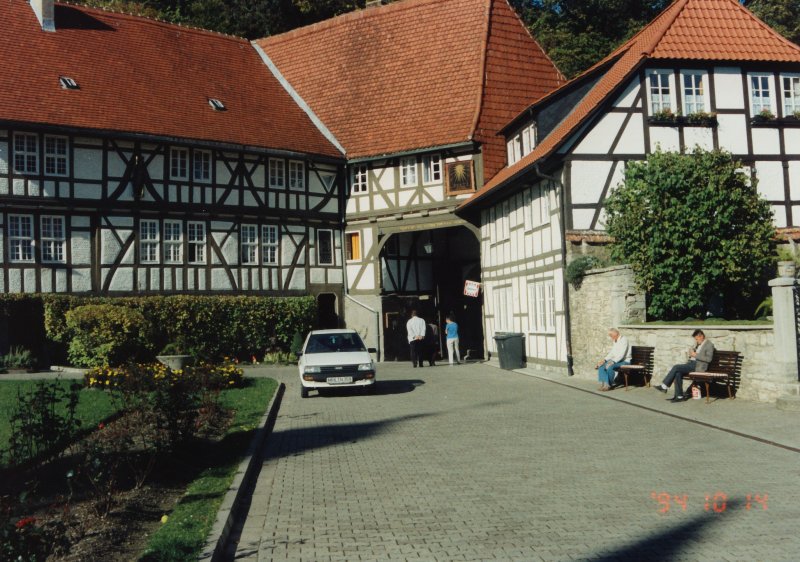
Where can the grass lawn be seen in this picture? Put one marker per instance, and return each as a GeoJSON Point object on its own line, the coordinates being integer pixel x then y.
{"type": "Point", "coordinates": [93, 407]}
{"type": "Point", "coordinates": [184, 534]}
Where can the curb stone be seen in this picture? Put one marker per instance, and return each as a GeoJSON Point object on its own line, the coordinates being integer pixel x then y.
{"type": "Point", "coordinates": [242, 480]}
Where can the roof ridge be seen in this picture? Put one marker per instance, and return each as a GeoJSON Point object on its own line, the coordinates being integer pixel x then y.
{"type": "Point", "coordinates": [151, 20]}
{"type": "Point", "coordinates": [370, 12]}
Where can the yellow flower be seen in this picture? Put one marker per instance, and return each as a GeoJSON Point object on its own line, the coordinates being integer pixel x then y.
{"type": "Point", "coordinates": [164, 519]}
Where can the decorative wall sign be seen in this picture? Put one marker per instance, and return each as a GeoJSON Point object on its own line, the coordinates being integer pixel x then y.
{"type": "Point", "coordinates": [460, 177]}
{"type": "Point", "coordinates": [472, 289]}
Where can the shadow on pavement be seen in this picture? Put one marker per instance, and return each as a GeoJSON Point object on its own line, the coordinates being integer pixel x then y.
{"type": "Point", "coordinates": [669, 544]}
{"type": "Point", "coordinates": [382, 388]}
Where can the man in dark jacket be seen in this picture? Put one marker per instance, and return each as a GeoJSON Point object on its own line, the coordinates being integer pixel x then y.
{"type": "Point", "coordinates": [699, 358]}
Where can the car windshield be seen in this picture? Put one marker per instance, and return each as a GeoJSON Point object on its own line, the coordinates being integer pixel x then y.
{"type": "Point", "coordinates": [330, 343]}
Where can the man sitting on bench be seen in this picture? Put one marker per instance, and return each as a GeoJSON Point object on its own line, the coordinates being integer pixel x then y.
{"type": "Point", "coordinates": [699, 358]}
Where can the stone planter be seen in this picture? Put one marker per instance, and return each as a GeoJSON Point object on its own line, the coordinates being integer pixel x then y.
{"type": "Point", "coordinates": [176, 362]}
{"type": "Point", "coordinates": [787, 269]}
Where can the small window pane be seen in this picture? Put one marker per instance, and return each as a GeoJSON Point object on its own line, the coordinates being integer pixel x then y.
{"type": "Point", "coordinates": [325, 247]}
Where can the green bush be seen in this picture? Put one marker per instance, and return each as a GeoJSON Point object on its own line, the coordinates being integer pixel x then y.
{"type": "Point", "coordinates": [577, 268]}
{"type": "Point", "coordinates": [104, 334]}
{"type": "Point", "coordinates": [212, 327]}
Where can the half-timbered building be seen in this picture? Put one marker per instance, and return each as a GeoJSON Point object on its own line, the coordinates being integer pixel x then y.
{"type": "Point", "coordinates": [140, 157]}
{"type": "Point", "coordinates": [704, 73]}
{"type": "Point", "coordinates": [415, 92]}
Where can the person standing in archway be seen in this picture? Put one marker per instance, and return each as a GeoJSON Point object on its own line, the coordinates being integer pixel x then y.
{"type": "Point", "coordinates": [415, 327]}
{"type": "Point", "coordinates": [451, 330]}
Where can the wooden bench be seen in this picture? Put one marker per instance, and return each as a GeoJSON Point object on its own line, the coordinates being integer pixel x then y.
{"type": "Point", "coordinates": [725, 367]}
{"type": "Point", "coordinates": [641, 364]}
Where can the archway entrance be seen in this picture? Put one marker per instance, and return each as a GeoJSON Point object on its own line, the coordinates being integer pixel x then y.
{"type": "Point", "coordinates": [327, 311]}
{"type": "Point", "coordinates": [426, 271]}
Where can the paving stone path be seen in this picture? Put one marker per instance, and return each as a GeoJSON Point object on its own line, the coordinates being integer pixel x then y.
{"type": "Point", "coordinates": [475, 463]}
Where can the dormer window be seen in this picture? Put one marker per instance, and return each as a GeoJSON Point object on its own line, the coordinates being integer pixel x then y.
{"type": "Point", "coordinates": [68, 83]}
{"type": "Point", "coordinates": [216, 105]}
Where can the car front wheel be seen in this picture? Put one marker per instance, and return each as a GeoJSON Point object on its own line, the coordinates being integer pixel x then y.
{"type": "Point", "coordinates": [303, 392]}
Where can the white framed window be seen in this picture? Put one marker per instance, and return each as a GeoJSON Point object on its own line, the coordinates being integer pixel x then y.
{"type": "Point", "coordinates": [179, 163]}
{"type": "Point", "coordinates": [360, 178]}
{"type": "Point", "coordinates": [760, 93]}
{"type": "Point", "coordinates": [20, 238]}
{"type": "Point", "coordinates": [504, 230]}
{"type": "Point", "coordinates": [325, 247]}
{"type": "Point", "coordinates": [503, 309]}
{"type": "Point", "coordinates": [277, 173]}
{"type": "Point", "coordinates": [526, 141]}
{"type": "Point", "coordinates": [542, 306]}
{"type": "Point", "coordinates": [297, 175]}
{"type": "Point", "coordinates": [408, 172]}
{"type": "Point", "coordinates": [26, 153]}
{"type": "Point", "coordinates": [55, 156]}
{"type": "Point", "coordinates": [196, 238]}
{"type": "Point", "coordinates": [269, 244]}
{"type": "Point", "coordinates": [201, 166]}
{"type": "Point", "coordinates": [248, 241]}
{"type": "Point", "coordinates": [791, 94]}
{"type": "Point", "coordinates": [532, 310]}
{"type": "Point", "coordinates": [693, 90]}
{"type": "Point", "coordinates": [431, 169]}
{"type": "Point", "coordinates": [514, 146]}
{"type": "Point", "coordinates": [352, 242]}
{"type": "Point", "coordinates": [550, 301]}
{"type": "Point", "coordinates": [148, 241]}
{"type": "Point", "coordinates": [173, 242]}
{"type": "Point", "coordinates": [537, 216]}
{"type": "Point", "coordinates": [54, 240]}
{"type": "Point", "coordinates": [659, 91]}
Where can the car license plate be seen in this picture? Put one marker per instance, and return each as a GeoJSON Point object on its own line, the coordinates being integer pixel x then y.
{"type": "Point", "coordinates": [339, 380]}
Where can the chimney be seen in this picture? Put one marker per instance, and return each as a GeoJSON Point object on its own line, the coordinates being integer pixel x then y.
{"type": "Point", "coordinates": [45, 13]}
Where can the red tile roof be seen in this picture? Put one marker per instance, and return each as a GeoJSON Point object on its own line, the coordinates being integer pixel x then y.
{"type": "Point", "coordinates": [143, 76]}
{"type": "Point", "coordinates": [415, 74]}
{"type": "Point", "coordinates": [720, 30]}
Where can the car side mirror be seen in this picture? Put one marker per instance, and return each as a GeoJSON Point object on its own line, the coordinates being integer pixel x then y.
{"type": "Point", "coordinates": [298, 354]}
{"type": "Point", "coordinates": [372, 350]}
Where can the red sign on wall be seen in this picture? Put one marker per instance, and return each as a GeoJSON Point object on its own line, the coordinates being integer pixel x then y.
{"type": "Point", "coordinates": [472, 288]}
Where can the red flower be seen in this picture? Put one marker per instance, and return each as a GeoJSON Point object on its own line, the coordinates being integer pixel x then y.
{"type": "Point", "coordinates": [101, 425]}
{"type": "Point", "coordinates": [24, 522]}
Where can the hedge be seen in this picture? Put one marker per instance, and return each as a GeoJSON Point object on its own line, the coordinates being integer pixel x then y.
{"type": "Point", "coordinates": [219, 326]}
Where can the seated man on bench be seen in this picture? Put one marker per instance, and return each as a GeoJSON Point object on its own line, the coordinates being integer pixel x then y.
{"type": "Point", "coordinates": [699, 358]}
{"type": "Point", "coordinates": [619, 355]}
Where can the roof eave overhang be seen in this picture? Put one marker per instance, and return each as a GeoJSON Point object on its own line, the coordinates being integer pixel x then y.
{"type": "Point", "coordinates": [469, 144]}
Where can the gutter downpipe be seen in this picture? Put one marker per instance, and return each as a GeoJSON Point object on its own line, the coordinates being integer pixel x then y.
{"type": "Point", "coordinates": [343, 204]}
{"type": "Point", "coordinates": [562, 206]}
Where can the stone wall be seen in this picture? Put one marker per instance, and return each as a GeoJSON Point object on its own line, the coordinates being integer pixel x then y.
{"type": "Point", "coordinates": [609, 298]}
{"type": "Point", "coordinates": [360, 315]}
{"type": "Point", "coordinates": [606, 298]}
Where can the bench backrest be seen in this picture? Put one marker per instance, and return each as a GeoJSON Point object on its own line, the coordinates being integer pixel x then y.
{"type": "Point", "coordinates": [643, 356]}
{"type": "Point", "coordinates": [729, 362]}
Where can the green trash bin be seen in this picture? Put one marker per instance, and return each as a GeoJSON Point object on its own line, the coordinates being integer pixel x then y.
{"type": "Point", "coordinates": [510, 350]}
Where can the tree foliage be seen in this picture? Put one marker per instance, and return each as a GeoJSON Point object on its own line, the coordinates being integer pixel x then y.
{"type": "Point", "coordinates": [694, 228]}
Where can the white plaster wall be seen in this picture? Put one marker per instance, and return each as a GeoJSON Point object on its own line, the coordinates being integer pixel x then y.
{"type": "Point", "coordinates": [698, 136]}
{"type": "Point", "coordinates": [587, 180]}
{"type": "Point", "coordinates": [632, 139]}
{"type": "Point", "coordinates": [728, 88]}
{"type": "Point", "coordinates": [665, 138]}
{"type": "Point", "coordinates": [732, 132]}
{"type": "Point", "coordinates": [770, 179]}
{"type": "Point", "coordinates": [88, 164]}
{"type": "Point", "coordinates": [766, 140]}
{"type": "Point", "coordinates": [627, 97]}
{"type": "Point", "coordinates": [600, 138]}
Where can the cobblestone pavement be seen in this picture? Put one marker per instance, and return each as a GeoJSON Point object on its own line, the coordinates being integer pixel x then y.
{"type": "Point", "coordinates": [475, 463]}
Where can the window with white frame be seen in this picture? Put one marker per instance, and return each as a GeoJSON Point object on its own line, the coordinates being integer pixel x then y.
{"type": "Point", "coordinates": [503, 309]}
{"type": "Point", "coordinates": [542, 306]}
{"type": "Point", "coordinates": [360, 178]}
{"type": "Point", "coordinates": [431, 169]}
{"type": "Point", "coordinates": [201, 166]}
{"type": "Point", "coordinates": [658, 82]}
{"type": "Point", "coordinates": [526, 141]}
{"type": "Point", "coordinates": [196, 242]}
{"type": "Point", "coordinates": [55, 156]}
{"type": "Point", "coordinates": [760, 93]}
{"type": "Point", "coordinates": [179, 163]}
{"type": "Point", "coordinates": [173, 242]}
{"type": "Point", "coordinates": [20, 238]}
{"type": "Point", "coordinates": [297, 175]}
{"type": "Point", "coordinates": [53, 236]}
{"type": "Point", "coordinates": [537, 214]}
{"type": "Point", "coordinates": [694, 98]}
{"type": "Point", "coordinates": [514, 146]}
{"type": "Point", "coordinates": [325, 247]}
{"type": "Point", "coordinates": [277, 173]}
{"type": "Point", "coordinates": [269, 244]}
{"type": "Point", "coordinates": [408, 172]}
{"type": "Point", "coordinates": [248, 240]}
{"type": "Point", "coordinates": [148, 241]}
{"type": "Point", "coordinates": [26, 153]}
{"type": "Point", "coordinates": [791, 95]}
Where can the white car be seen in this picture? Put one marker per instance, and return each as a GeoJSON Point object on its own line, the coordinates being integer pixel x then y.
{"type": "Point", "coordinates": [333, 359]}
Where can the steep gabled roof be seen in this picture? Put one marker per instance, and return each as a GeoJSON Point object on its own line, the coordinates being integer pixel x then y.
{"type": "Point", "coordinates": [405, 76]}
{"type": "Point", "coordinates": [716, 30]}
{"type": "Point", "coordinates": [146, 77]}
